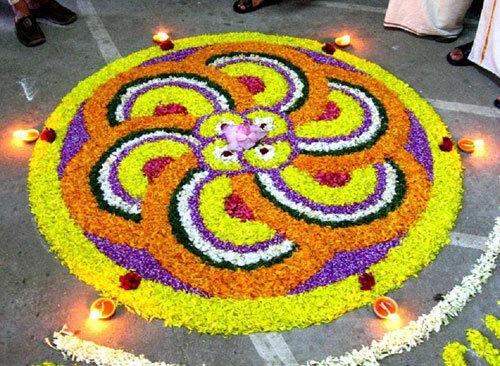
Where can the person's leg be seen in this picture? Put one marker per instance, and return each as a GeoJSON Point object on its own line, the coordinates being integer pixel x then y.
{"type": "Point", "coordinates": [52, 11]}
{"type": "Point", "coordinates": [246, 6]}
{"type": "Point", "coordinates": [242, 4]}
{"type": "Point", "coordinates": [486, 48]}
{"type": "Point", "coordinates": [20, 8]}
{"type": "Point", "coordinates": [28, 31]}
{"type": "Point", "coordinates": [441, 18]}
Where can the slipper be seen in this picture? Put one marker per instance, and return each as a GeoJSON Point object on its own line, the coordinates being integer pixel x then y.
{"type": "Point", "coordinates": [247, 4]}
{"type": "Point", "coordinates": [443, 39]}
{"type": "Point", "coordinates": [465, 48]}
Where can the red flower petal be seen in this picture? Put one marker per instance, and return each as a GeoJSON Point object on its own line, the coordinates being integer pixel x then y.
{"type": "Point", "coordinates": [333, 179]}
{"type": "Point", "coordinates": [328, 48]}
{"type": "Point", "coordinates": [447, 144]}
{"type": "Point", "coordinates": [130, 281]}
{"type": "Point", "coordinates": [154, 167]}
{"type": "Point", "coordinates": [48, 134]}
{"type": "Point", "coordinates": [366, 281]}
{"type": "Point", "coordinates": [236, 207]}
{"type": "Point", "coordinates": [254, 84]}
{"type": "Point", "coordinates": [172, 108]}
{"type": "Point", "coordinates": [332, 111]}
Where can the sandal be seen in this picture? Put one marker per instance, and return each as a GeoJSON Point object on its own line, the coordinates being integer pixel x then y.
{"type": "Point", "coordinates": [248, 5]}
{"type": "Point", "coordinates": [463, 61]}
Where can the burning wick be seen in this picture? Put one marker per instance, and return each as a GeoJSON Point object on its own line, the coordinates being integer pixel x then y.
{"type": "Point", "coordinates": [102, 309]}
{"type": "Point", "coordinates": [30, 135]}
{"type": "Point", "coordinates": [163, 40]}
{"type": "Point", "coordinates": [343, 41]}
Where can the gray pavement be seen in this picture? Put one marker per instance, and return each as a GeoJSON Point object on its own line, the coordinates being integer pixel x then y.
{"type": "Point", "coordinates": [39, 295]}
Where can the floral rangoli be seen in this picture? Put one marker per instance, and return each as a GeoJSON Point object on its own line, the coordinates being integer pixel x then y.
{"type": "Point", "coordinates": [250, 180]}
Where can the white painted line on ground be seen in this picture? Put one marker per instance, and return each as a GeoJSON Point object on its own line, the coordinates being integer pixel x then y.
{"type": "Point", "coordinates": [468, 240]}
{"type": "Point", "coordinates": [281, 348]}
{"type": "Point", "coordinates": [465, 108]}
{"type": "Point", "coordinates": [104, 42]}
{"type": "Point", "coordinates": [28, 87]}
{"type": "Point", "coordinates": [265, 350]}
{"type": "Point", "coordinates": [366, 8]}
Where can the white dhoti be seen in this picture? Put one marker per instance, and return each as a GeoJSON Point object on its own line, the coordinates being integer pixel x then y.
{"type": "Point", "coordinates": [427, 17]}
{"type": "Point", "coordinates": [486, 48]}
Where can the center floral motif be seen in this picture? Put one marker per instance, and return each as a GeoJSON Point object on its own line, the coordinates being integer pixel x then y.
{"type": "Point", "coordinates": [250, 182]}
{"type": "Point", "coordinates": [226, 167]}
{"type": "Point", "coordinates": [256, 140]}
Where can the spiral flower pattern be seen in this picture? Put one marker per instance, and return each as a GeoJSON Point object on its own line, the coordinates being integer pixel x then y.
{"type": "Point", "coordinates": [144, 178]}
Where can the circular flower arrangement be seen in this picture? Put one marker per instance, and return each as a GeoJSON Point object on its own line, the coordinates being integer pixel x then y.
{"type": "Point", "coordinates": [252, 183]}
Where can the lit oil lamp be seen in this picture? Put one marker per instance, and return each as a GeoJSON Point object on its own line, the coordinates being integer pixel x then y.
{"type": "Point", "coordinates": [343, 41]}
{"type": "Point", "coordinates": [386, 308]}
{"type": "Point", "coordinates": [29, 135]}
{"type": "Point", "coordinates": [102, 309]}
{"type": "Point", "coordinates": [163, 40]}
{"type": "Point", "coordinates": [469, 145]}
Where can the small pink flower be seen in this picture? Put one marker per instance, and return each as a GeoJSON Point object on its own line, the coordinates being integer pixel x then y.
{"type": "Point", "coordinates": [236, 207]}
{"type": "Point", "coordinates": [243, 136]}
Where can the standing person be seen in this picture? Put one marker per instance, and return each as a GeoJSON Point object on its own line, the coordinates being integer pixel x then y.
{"type": "Point", "coordinates": [440, 18]}
{"type": "Point", "coordinates": [26, 12]}
{"type": "Point", "coordinates": [482, 51]}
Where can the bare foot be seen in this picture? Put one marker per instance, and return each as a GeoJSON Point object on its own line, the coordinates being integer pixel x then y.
{"type": "Point", "coordinates": [456, 54]}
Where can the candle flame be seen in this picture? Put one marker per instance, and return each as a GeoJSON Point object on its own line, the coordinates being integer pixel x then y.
{"type": "Point", "coordinates": [20, 134]}
{"type": "Point", "coordinates": [479, 143]}
{"type": "Point", "coordinates": [393, 317]}
{"type": "Point", "coordinates": [343, 41]}
{"type": "Point", "coordinates": [160, 37]}
{"type": "Point", "coordinates": [29, 135]}
{"type": "Point", "coordinates": [95, 314]}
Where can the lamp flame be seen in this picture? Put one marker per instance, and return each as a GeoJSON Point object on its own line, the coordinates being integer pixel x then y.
{"type": "Point", "coordinates": [479, 144]}
{"type": "Point", "coordinates": [343, 41]}
{"type": "Point", "coordinates": [160, 37]}
{"type": "Point", "coordinates": [95, 314]}
{"type": "Point", "coordinates": [29, 135]}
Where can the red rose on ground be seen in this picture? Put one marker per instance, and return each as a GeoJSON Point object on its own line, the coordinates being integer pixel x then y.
{"type": "Point", "coordinates": [130, 281]}
{"type": "Point", "coordinates": [167, 45]}
{"type": "Point", "coordinates": [366, 281]}
{"type": "Point", "coordinates": [48, 134]}
{"type": "Point", "coordinates": [447, 144]}
{"type": "Point", "coordinates": [328, 48]}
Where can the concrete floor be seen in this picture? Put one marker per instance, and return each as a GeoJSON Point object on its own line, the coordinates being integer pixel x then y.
{"type": "Point", "coordinates": [39, 295]}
